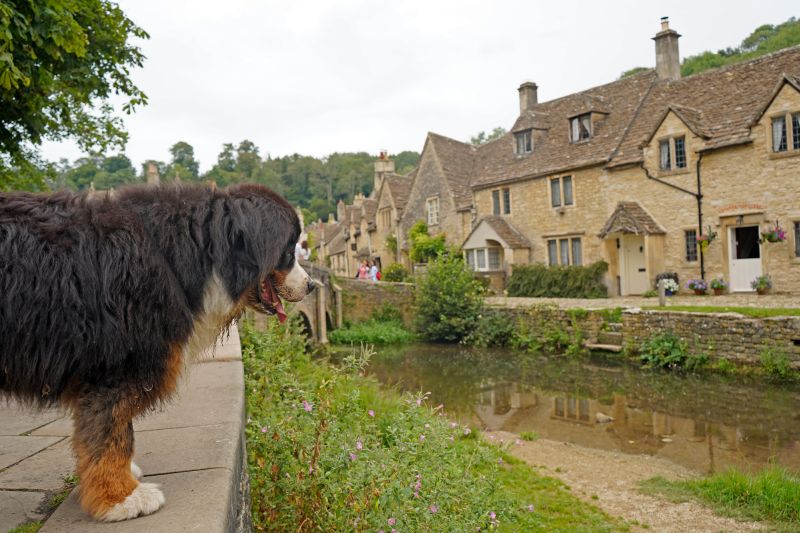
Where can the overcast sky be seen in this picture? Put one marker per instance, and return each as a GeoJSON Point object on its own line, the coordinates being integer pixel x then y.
{"type": "Point", "coordinates": [323, 76]}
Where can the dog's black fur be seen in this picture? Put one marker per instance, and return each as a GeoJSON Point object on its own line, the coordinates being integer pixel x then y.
{"type": "Point", "coordinates": [99, 295]}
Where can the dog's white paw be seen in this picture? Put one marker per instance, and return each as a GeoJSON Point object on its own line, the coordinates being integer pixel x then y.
{"type": "Point", "coordinates": [145, 499]}
{"type": "Point", "coordinates": [136, 471]}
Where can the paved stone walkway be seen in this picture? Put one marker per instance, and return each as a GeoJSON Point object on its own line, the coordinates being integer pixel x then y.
{"type": "Point", "coordinates": [726, 300]}
{"type": "Point", "coordinates": [189, 448]}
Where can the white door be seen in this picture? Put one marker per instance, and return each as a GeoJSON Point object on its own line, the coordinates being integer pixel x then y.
{"type": "Point", "coordinates": [634, 270]}
{"type": "Point", "coordinates": [745, 257]}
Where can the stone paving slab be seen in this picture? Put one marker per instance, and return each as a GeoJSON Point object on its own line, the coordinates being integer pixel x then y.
{"type": "Point", "coordinates": [58, 428]}
{"type": "Point", "coordinates": [214, 394]}
{"type": "Point", "coordinates": [196, 502]}
{"type": "Point", "coordinates": [18, 507]}
{"type": "Point", "coordinates": [17, 420]}
{"type": "Point", "coordinates": [44, 471]}
{"type": "Point", "coordinates": [15, 449]}
{"type": "Point", "coordinates": [163, 451]}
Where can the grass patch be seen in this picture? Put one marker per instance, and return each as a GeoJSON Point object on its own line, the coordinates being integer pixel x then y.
{"type": "Point", "coordinates": [329, 450]}
{"type": "Point", "coordinates": [771, 495]}
{"type": "Point", "coordinates": [30, 527]}
{"type": "Point", "coordinates": [372, 332]}
{"type": "Point", "coordinates": [753, 312]}
{"type": "Point", "coordinates": [529, 436]}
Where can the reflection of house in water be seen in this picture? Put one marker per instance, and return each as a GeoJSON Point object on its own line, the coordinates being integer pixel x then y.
{"type": "Point", "coordinates": [693, 442]}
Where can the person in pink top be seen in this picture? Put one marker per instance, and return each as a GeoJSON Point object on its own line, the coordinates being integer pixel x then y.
{"type": "Point", "coordinates": [363, 270]}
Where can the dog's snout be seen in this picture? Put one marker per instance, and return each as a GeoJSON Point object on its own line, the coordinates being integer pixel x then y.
{"type": "Point", "coordinates": [310, 285]}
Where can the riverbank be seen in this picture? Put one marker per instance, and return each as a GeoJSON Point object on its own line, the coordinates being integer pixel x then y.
{"type": "Point", "coordinates": [610, 480]}
{"type": "Point", "coordinates": [329, 450]}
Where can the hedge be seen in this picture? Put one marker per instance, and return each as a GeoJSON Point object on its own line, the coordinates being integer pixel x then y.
{"type": "Point", "coordinates": [542, 281]}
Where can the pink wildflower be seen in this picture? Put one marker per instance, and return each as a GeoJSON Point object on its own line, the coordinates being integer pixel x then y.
{"type": "Point", "coordinates": [421, 438]}
{"type": "Point", "coordinates": [453, 425]}
{"type": "Point", "coordinates": [264, 429]}
{"type": "Point", "coordinates": [359, 445]}
{"type": "Point", "coordinates": [371, 413]}
{"type": "Point", "coordinates": [392, 521]}
{"type": "Point", "coordinates": [353, 456]}
{"type": "Point", "coordinates": [307, 406]}
{"type": "Point", "coordinates": [433, 509]}
{"type": "Point", "coordinates": [530, 508]}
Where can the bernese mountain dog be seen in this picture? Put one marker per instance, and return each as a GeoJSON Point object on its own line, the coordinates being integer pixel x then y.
{"type": "Point", "coordinates": [105, 298]}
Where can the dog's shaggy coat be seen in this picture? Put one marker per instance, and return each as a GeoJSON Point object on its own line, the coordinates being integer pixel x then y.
{"type": "Point", "coordinates": [103, 298]}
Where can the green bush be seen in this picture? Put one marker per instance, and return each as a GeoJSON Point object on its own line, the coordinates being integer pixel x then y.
{"type": "Point", "coordinates": [424, 248]}
{"type": "Point", "coordinates": [394, 272]}
{"type": "Point", "coordinates": [448, 300]}
{"type": "Point", "coordinates": [372, 332]}
{"type": "Point", "coordinates": [668, 351]}
{"type": "Point", "coordinates": [776, 363]}
{"type": "Point", "coordinates": [542, 281]}
{"type": "Point", "coordinates": [492, 329]}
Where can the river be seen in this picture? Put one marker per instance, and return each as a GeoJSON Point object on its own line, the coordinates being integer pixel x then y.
{"type": "Point", "coordinates": [703, 422]}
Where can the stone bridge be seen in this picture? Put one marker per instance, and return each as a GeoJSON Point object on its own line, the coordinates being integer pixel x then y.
{"type": "Point", "coordinates": [321, 309]}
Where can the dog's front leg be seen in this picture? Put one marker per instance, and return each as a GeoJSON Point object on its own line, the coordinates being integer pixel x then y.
{"type": "Point", "coordinates": [103, 443]}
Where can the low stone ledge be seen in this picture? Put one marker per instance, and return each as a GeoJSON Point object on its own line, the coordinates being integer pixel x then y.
{"type": "Point", "coordinates": [194, 448]}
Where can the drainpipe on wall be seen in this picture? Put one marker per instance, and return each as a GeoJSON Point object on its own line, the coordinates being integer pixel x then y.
{"type": "Point", "coordinates": [698, 197]}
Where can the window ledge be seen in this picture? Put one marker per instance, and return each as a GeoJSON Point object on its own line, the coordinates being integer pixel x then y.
{"type": "Point", "coordinates": [582, 141]}
{"type": "Point", "coordinates": [669, 173]}
{"type": "Point", "coordinates": [783, 155]}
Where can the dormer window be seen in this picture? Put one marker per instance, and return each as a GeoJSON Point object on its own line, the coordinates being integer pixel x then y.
{"type": "Point", "coordinates": [672, 153]}
{"type": "Point", "coordinates": [781, 140]}
{"type": "Point", "coordinates": [581, 127]}
{"type": "Point", "coordinates": [524, 142]}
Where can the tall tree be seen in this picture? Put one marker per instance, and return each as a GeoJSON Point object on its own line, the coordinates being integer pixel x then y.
{"type": "Point", "coordinates": [183, 164]}
{"type": "Point", "coordinates": [483, 138]}
{"type": "Point", "coordinates": [60, 61]}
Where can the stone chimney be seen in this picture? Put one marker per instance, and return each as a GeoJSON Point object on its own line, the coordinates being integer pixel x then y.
{"type": "Point", "coordinates": [340, 210]}
{"type": "Point", "coordinates": [152, 174]}
{"type": "Point", "coordinates": [527, 96]}
{"type": "Point", "coordinates": [668, 60]}
{"type": "Point", "coordinates": [384, 165]}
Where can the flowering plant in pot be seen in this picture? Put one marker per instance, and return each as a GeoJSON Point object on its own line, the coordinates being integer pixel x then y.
{"type": "Point", "coordinates": [762, 284]}
{"type": "Point", "coordinates": [670, 286]}
{"type": "Point", "coordinates": [718, 285]}
{"type": "Point", "coordinates": [773, 234]}
{"type": "Point", "coordinates": [699, 286]}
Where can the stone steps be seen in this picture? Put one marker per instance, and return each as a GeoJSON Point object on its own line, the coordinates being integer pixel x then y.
{"type": "Point", "coordinates": [604, 347]}
{"type": "Point", "coordinates": [610, 337]}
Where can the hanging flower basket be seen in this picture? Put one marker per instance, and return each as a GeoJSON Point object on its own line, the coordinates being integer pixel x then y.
{"type": "Point", "coordinates": [773, 234]}
{"type": "Point", "coordinates": [705, 239]}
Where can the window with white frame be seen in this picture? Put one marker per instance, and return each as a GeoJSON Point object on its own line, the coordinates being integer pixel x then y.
{"type": "Point", "coordinates": [561, 191]}
{"type": "Point", "coordinates": [432, 205]}
{"type": "Point", "coordinates": [501, 201]}
{"type": "Point", "coordinates": [786, 132]}
{"type": "Point", "coordinates": [672, 153]}
{"type": "Point", "coordinates": [483, 259]}
{"type": "Point", "coordinates": [565, 251]}
{"type": "Point", "coordinates": [524, 140]}
{"type": "Point", "coordinates": [580, 127]}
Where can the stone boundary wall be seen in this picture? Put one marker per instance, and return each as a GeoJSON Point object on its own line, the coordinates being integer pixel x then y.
{"type": "Point", "coordinates": [361, 298]}
{"type": "Point", "coordinates": [731, 336]}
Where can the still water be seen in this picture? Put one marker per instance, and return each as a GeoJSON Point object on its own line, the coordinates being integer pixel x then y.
{"type": "Point", "coordinates": [705, 423]}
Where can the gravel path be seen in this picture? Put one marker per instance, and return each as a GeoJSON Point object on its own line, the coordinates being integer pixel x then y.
{"type": "Point", "coordinates": [613, 478]}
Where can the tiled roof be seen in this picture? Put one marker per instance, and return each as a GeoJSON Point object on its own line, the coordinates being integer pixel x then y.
{"type": "Point", "coordinates": [456, 160]}
{"type": "Point", "coordinates": [552, 152]}
{"type": "Point", "coordinates": [337, 243]}
{"type": "Point", "coordinates": [505, 230]}
{"type": "Point", "coordinates": [370, 207]}
{"type": "Point", "coordinates": [512, 236]}
{"type": "Point", "coordinates": [400, 188]}
{"type": "Point", "coordinates": [728, 100]}
{"type": "Point", "coordinates": [630, 217]}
